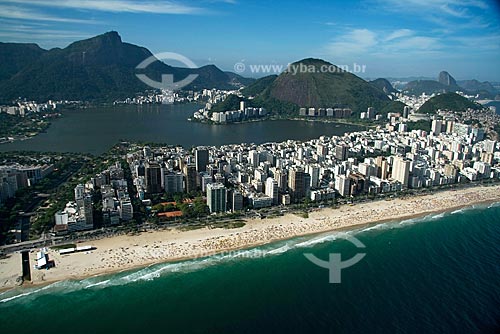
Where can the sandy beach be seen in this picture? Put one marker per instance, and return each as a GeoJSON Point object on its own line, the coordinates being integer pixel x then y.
{"type": "Point", "coordinates": [126, 252]}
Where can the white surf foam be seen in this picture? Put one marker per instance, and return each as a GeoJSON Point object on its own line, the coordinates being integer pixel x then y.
{"type": "Point", "coordinates": [382, 226]}
{"type": "Point", "coordinates": [24, 294]}
{"type": "Point", "coordinates": [494, 205]}
{"type": "Point", "coordinates": [280, 250]}
{"type": "Point", "coordinates": [408, 222]}
{"type": "Point", "coordinates": [317, 240]}
{"type": "Point", "coordinates": [97, 284]}
{"type": "Point", "coordinates": [437, 216]}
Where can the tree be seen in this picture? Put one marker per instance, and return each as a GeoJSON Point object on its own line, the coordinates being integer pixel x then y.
{"type": "Point", "coordinates": [169, 208]}
{"type": "Point", "coordinates": [187, 210]}
{"type": "Point", "coordinates": [178, 198]}
{"type": "Point", "coordinates": [200, 207]}
{"type": "Point", "coordinates": [158, 207]}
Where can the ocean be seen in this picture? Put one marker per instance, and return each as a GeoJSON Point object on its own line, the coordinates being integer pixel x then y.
{"type": "Point", "coordinates": [436, 274]}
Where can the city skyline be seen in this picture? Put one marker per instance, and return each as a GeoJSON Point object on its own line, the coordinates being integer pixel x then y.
{"type": "Point", "coordinates": [417, 38]}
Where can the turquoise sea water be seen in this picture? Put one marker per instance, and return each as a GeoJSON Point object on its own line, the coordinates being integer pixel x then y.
{"type": "Point", "coordinates": [438, 274]}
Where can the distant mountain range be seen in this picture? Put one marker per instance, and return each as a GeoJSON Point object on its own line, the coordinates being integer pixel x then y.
{"type": "Point", "coordinates": [446, 83]}
{"type": "Point", "coordinates": [477, 86]}
{"type": "Point", "coordinates": [99, 68]}
{"type": "Point", "coordinates": [103, 68]}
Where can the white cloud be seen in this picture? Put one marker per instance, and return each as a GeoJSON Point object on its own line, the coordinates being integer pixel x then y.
{"type": "Point", "coordinates": [453, 14]}
{"type": "Point", "coordinates": [412, 45]}
{"type": "Point", "coordinates": [131, 6]}
{"type": "Point", "coordinates": [33, 11]}
{"type": "Point", "coordinates": [52, 35]}
{"type": "Point", "coordinates": [23, 31]}
{"type": "Point", "coordinates": [364, 42]}
{"type": "Point", "coordinates": [22, 23]}
{"type": "Point", "coordinates": [399, 34]}
{"type": "Point", "coordinates": [478, 43]}
{"type": "Point", "coordinates": [355, 42]}
{"type": "Point", "coordinates": [13, 12]}
{"type": "Point", "coordinates": [457, 12]}
{"type": "Point", "coordinates": [407, 43]}
{"type": "Point", "coordinates": [458, 8]}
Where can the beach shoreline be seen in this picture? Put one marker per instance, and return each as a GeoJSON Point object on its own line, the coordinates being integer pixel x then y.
{"type": "Point", "coordinates": [123, 253]}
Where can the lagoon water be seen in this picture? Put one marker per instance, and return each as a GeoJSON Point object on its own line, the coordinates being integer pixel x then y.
{"type": "Point", "coordinates": [95, 130]}
{"type": "Point", "coordinates": [438, 274]}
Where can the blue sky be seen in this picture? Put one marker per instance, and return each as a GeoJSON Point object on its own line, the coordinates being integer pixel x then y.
{"type": "Point", "coordinates": [392, 38]}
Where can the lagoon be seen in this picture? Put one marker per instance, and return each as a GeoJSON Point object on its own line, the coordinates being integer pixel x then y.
{"type": "Point", "coordinates": [95, 130]}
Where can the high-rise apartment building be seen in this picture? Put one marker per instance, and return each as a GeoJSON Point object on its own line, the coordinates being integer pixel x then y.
{"type": "Point", "coordinates": [272, 190]}
{"type": "Point", "coordinates": [401, 170]}
{"type": "Point", "coordinates": [191, 177]}
{"type": "Point", "coordinates": [201, 159]}
{"type": "Point", "coordinates": [174, 182]}
{"type": "Point", "coordinates": [153, 178]}
{"type": "Point", "coordinates": [296, 183]}
{"type": "Point", "coordinates": [342, 152]}
{"type": "Point", "coordinates": [216, 197]}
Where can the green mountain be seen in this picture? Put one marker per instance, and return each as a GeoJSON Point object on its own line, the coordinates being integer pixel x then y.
{"type": "Point", "coordinates": [239, 81]}
{"type": "Point", "coordinates": [210, 76]}
{"type": "Point", "coordinates": [232, 102]}
{"type": "Point", "coordinates": [98, 68]}
{"type": "Point", "coordinates": [102, 67]}
{"type": "Point", "coordinates": [384, 85]}
{"type": "Point", "coordinates": [447, 101]}
{"type": "Point", "coordinates": [475, 86]}
{"type": "Point", "coordinates": [258, 86]}
{"type": "Point", "coordinates": [15, 56]}
{"type": "Point", "coordinates": [392, 107]}
{"type": "Point", "coordinates": [418, 87]}
{"type": "Point", "coordinates": [312, 86]}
